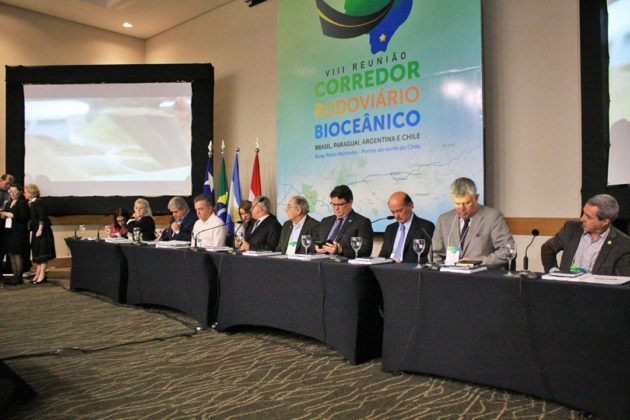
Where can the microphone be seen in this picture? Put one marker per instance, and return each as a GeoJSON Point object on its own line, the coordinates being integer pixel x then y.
{"type": "Point", "coordinates": [535, 232]}
{"type": "Point", "coordinates": [383, 218]}
{"type": "Point", "coordinates": [196, 247]}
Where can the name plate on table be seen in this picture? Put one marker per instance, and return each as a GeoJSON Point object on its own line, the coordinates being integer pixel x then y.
{"type": "Point", "coordinates": [370, 261]}
{"type": "Point", "coordinates": [118, 240]}
{"type": "Point", "coordinates": [172, 244]}
{"type": "Point", "coordinates": [261, 253]}
{"type": "Point", "coordinates": [218, 248]}
{"type": "Point", "coordinates": [308, 257]}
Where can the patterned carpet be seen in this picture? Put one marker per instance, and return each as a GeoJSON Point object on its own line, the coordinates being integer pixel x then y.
{"type": "Point", "coordinates": [88, 358]}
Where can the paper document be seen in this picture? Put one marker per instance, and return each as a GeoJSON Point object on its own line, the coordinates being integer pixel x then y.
{"type": "Point", "coordinates": [589, 278]}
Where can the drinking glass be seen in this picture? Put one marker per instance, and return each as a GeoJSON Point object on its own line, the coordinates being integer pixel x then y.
{"type": "Point", "coordinates": [108, 230]}
{"type": "Point", "coordinates": [239, 239]}
{"type": "Point", "coordinates": [355, 243]}
{"type": "Point", "coordinates": [418, 247]}
{"type": "Point", "coordinates": [158, 233]}
{"type": "Point", "coordinates": [136, 234]}
{"type": "Point", "coordinates": [81, 231]}
{"type": "Point", "coordinates": [509, 252]}
{"type": "Point", "coordinates": [306, 242]}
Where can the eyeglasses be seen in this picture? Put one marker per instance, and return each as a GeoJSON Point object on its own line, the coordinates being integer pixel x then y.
{"type": "Point", "coordinates": [338, 204]}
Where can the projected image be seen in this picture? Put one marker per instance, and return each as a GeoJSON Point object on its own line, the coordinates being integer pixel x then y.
{"type": "Point", "coordinates": [108, 139]}
{"type": "Point", "coordinates": [619, 87]}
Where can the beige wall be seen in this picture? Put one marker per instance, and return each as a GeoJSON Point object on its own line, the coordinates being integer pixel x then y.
{"type": "Point", "coordinates": [531, 77]}
{"type": "Point", "coordinates": [240, 42]}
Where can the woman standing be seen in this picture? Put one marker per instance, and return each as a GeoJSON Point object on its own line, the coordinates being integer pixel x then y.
{"type": "Point", "coordinates": [42, 239]}
{"type": "Point", "coordinates": [15, 217]}
{"type": "Point", "coordinates": [142, 219]}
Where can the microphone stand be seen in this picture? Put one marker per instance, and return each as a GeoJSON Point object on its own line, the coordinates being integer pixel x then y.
{"type": "Point", "coordinates": [430, 264]}
{"type": "Point", "coordinates": [195, 247]}
{"type": "Point", "coordinates": [382, 218]}
{"type": "Point", "coordinates": [526, 273]}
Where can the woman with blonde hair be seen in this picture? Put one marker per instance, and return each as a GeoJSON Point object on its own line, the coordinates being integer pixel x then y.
{"type": "Point", "coordinates": [142, 219]}
{"type": "Point", "coordinates": [42, 239]}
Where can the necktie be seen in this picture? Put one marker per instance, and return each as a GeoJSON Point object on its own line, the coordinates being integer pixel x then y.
{"type": "Point", "coordinates": [401, 243]}
{"type": "Point", "coordinates": [335, 230]}
{"type": "Point", "coordinates": [462, 236]}
{"type": "Point", "coordinates": [255, 225]}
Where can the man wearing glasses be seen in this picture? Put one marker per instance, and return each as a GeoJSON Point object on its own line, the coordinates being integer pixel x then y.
{"type": "Point", "coordinates": [335, 231]}
{"type": "Point", "coordinates": [298, 225]}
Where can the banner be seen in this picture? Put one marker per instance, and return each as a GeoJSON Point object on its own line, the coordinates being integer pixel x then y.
{"type": "Point", "coordinates": [382, 96]}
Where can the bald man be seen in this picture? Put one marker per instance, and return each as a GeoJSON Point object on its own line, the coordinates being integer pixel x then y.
{"type": "Point", "coordinates": [399, 236]}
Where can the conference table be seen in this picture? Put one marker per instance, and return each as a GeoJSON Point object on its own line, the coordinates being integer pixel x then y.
{"type": "Point", "coordinates": [98, 267]}
{"type": "Point", "coordinates": [563, 341]}
{"type": "Point", "coordinates": [181, 279]}
{"type": "Point", "coordinates": [335, 303]}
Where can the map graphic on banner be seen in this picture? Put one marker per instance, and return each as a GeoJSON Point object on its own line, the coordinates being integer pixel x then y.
{"type": "Point", "coordinates": [381, 95]}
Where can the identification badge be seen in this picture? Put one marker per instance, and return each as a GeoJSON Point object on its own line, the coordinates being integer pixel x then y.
{"type": "Point", "coordinates": [452, 255]}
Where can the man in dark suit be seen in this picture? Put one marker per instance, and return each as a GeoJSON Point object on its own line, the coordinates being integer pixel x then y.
{"type": "Point", "coordinates": [181, 224]}
{"type": "Point", "coordinates": [592, 245]}
{"type": "Point", "coordinates": [264, 233]}
{"type": "Point", "coordinates": [398, 237]}
{"type": "Point", "coordinates": [298, 225]}
{"type": "Point", "coordinates": [335, 231]}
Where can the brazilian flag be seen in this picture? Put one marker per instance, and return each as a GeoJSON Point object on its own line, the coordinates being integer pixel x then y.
{"type": "Point", "coordinates": [222, 192]}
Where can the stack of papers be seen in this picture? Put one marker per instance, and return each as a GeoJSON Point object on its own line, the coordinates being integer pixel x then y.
{"type": "Point", "coordinates": [172, 244]}
{"type": "Point", "coordinates": [468, 263]}
{"type": "Point", "coordinates": [370, 261]}
{"type": "Point", "coordinates": [307, 257]}
{"type": "Point", "coordinates": [462, 269]}
{"type": "Point", "coordinates": [261, 253]}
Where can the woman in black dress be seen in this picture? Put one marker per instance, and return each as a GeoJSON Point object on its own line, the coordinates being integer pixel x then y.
{"type": "Point", "coordinates": [15, 217]}
{"type": "Point", "coordinates": [142, 219]}
{"type": "Point", "coordinates": [42, 239]}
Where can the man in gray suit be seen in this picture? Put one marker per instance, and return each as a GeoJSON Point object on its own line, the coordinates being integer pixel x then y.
{"type": "Point", "coordinates": [298, 225]}
{"type": "Point", "coordinates": [479, 232]}
{"type": "Point", "coordinates": [592, 245]}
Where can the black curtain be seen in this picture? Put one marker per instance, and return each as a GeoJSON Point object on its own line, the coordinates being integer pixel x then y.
{"type": "Point", "coordinates": [201, 76]}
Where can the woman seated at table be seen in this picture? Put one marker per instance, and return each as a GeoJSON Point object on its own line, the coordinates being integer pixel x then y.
{"type": "Point", "coordinates": [142, 219]}
{"type": "Point", "coordinates": [118, 228]}
{"type": "Point", "coordinates": [245, 211]}
{"type": "Point", "coordinates": [42, 240]}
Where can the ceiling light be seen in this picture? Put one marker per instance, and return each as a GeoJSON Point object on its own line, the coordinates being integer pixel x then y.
{"type": "Point", "coordinates": [127, 25]}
